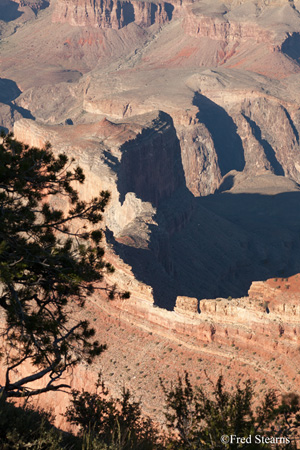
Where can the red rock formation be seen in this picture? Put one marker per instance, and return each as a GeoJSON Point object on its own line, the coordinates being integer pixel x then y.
{"type": "Point", "coordinates": [222, 29]}
{"type": "Point", "coordinates": [111, 14]}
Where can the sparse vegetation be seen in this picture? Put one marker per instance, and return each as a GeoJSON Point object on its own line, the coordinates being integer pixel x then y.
{"type": "Point", "coordinates": [196, 417]}
{"type": "Point", "coordinates": [201, 419]}
{"type": "Point", "coordinates": [24, 428]}
{"type": "Point", "coordinates": [34, 299]}
{"type": "Point", "coordinates": [117, 423]}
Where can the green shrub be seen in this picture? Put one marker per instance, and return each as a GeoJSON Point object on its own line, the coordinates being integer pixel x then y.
{"type": "Point", "coordinates": [24, 428]}
{"type": "Point", "coordinates": [112, 424]}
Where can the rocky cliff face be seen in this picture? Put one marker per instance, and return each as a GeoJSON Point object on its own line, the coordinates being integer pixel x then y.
{"type": "Point", "coordinates": [144, 161]}
{"type": "Point", "coordinates": [225, 126]}
{"type": "Point", "coordinates": [145, 342]}
{"type": "Point", "coordinates": [193, 126]}
{"type": "Point", "coordinates": [139, 165]}
{"type": "Point", "coordinates": [112, 13]}
{"type": "Point", "coordinates": [154, 220]}
{"type": "Point", "coordinates": [221, 28]}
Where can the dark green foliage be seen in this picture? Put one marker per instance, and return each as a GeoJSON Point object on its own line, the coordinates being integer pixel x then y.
{"type": "Point", "coordinates": [49, 257]}
{"type": "Point", "coordinates": [196, 420]}
{"type": "Point", "coordinates": [117, 423]}
{"type": "Point", "coordinates": [24, 428]}
{"type": "Point", "coordinates": [200, 420]}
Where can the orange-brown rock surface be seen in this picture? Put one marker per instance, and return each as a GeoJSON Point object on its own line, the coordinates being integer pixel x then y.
{"type": "Point", "coordinates": [145, 343]}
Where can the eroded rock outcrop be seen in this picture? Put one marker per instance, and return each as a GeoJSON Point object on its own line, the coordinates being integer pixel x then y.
{"type": "Point", "coordinates": [266, 315]}
{"type": "Point", "coordinates": [112, 14]}
{"type": "Point", "coordinates": [221, 28]}
{"type": "Point", "coordinates": [186, 305]}
{"type": "Point", "coordinates": [139, 165]}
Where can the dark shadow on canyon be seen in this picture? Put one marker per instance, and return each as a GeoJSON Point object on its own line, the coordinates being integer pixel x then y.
{"type": "Point", "coordinates": [9, 11]}
{"type": "Point", "coordinates": [9, 92]}
{"type": "Point", "coordinates": [151, 165]}
{"type": "Point", "coordinates": [203, 247]}
{"type": "Point", "coordinates": [228, 241]}
{"type": "Point", "coordinates": [226, 185]}
{"type": "Point", "coordinates": [228, 144]}
{"type": "Point", "coordinates": [127, 11]}
{"type": "Point", "coordinates": [295, 131]}
{"type": "Point", "coordinates": [291, 46]}
{"type": "Point", "coordinates": [169, 8]}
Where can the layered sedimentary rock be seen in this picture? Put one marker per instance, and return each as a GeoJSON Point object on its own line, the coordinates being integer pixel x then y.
{"type": "Point", "coordinates": [234, 23]}
{"type": "Point", "coordinates": [269, 315]}
{"type": "Point", "coordinates": [112, 14]}
{"type": "Point", "coordinates": [172, 241]}
{"type": "Point", "coordinates": [219, 27]}
{"type": "Point", "coordinates": [144, 340]}
{"type": "Point", "coordinates": [193, 126]}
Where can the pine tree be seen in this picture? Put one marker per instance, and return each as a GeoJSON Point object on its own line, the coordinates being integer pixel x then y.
{"type": "Point", "coordinates": [46, 263]}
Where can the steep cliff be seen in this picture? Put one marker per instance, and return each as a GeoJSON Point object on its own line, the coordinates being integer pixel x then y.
{"type": "Point", "coordinates": [225, 78]}
{"type": "Point", "coordinates": [139, 164]}
{"type": "Point", "coordinates": [112, 13]}
{"type": "Point", "coordinates": [145, 160]}
{"type": "Point", "coordinates": [208, 246]}
{"type": "Point", "coordinates": [218, 25]}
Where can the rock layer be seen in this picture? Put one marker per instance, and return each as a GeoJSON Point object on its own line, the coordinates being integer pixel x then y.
{"type": "Point", "coordinates": [147, 340]}
{"type": "Point", "coordinates": [112, 14]}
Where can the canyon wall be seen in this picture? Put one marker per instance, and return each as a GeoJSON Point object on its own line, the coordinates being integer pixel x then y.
{"type": "Point", "coordinates": [213, 21]}
{"type": "Point", "coordinates": [237, 335]}
{"type": "Point", "coordinates": [151, 164]}
{"type": "Point", "coordinates": [112, 13]}
{"type": "Point", "coordinates": [222, 29]}
{"type": "Point", "coordinates": [267, 320]}
{"type": "Point", "coordinates": [139, 164]}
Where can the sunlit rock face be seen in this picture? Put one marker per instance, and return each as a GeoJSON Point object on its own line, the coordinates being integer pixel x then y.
{"type": "Point", "coordinates": [112, 14]}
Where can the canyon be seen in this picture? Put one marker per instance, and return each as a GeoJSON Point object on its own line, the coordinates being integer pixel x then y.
{"type": "Point", "coordinates": [188, 113]}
